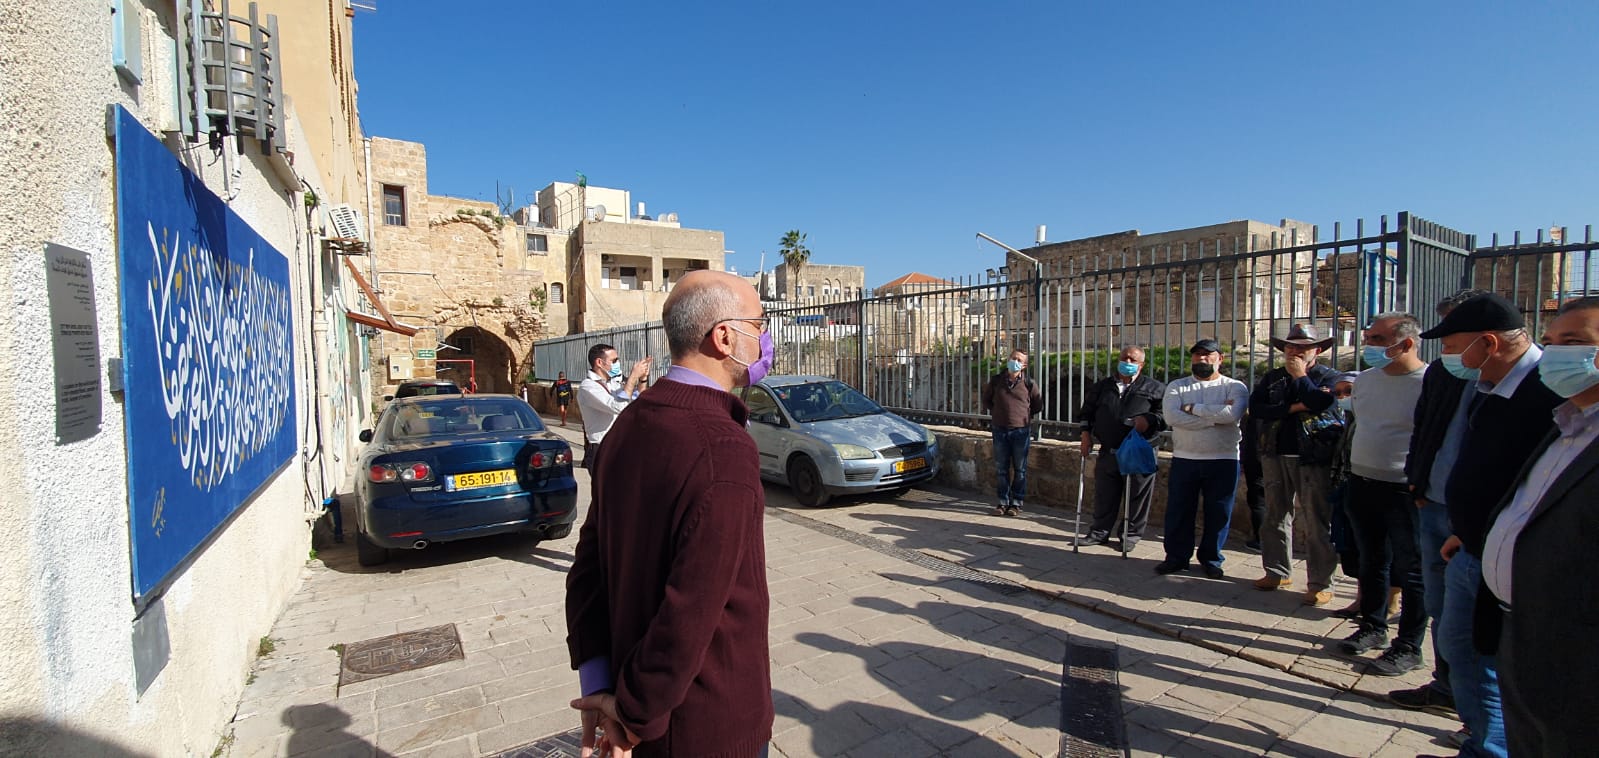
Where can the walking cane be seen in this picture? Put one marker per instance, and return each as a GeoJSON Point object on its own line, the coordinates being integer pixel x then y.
{"type": "Point", "coordinates": [1077, 518]}
{"type": "Point", "coordinates": [1127, 495]}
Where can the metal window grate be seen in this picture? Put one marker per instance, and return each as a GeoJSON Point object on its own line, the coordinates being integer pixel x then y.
{"type": "Point", "coordinates": [233, 73]}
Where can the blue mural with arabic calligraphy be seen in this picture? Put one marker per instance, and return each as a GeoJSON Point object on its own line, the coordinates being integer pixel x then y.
{"type": "Point", "coordinates": [208, 347]}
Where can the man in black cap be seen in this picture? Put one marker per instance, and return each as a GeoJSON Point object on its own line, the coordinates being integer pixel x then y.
{"type": "Point", "coordinates": [1286, 401]}
{"type": "Point", "coordinates": [1484, 343]}
{"type": "Point", "coordinates": [1203, 411]}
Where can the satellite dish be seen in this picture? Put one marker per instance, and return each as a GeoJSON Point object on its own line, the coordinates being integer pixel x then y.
{"type": "Point", "coordinates": [598, 213]}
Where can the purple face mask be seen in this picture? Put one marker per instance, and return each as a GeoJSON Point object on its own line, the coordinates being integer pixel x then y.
{"type": "Point", "coordinates": [762, 365]}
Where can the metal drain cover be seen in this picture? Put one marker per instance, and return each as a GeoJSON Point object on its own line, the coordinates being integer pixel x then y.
{"type": "Point", "coordinates": [563, 745]}
{"type": "Point", "coordinates": [406, 651]}
{"type": "Point", "coordinates": [1091, 723]}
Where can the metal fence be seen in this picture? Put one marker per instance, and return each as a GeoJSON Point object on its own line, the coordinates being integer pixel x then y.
{"type": "Point", "coordinates": [926, 350]}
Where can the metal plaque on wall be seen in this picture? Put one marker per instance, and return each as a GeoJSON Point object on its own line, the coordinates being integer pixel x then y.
{"type": "Point", "coordinates": [75, 339]}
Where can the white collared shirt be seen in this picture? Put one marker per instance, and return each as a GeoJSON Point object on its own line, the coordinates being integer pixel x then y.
{"type": "Point", "coordinates": [599, 400]}
{"type": "Point", "coordinates": [1578, 430]}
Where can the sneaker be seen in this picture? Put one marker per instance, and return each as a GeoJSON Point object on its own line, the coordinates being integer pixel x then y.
{"type": "Point", "coordinates": [999, 510]}
{"type": "Point", "coordinates": [1014, 510]}
{"type": "Point", "coordinates": [1317, 598]}
{"type": "Point", "coordinates": [1424, 698]}
{"type": "Point", "coordinates": [1214, 572]}
{"type": "Point", "coordinates": [1170, 567]}
{"type": "Point", "coordinates": [1130, 543]}
{"type": "Point", "coordinates": [1272, 581]}
{"type": "Point", "coordinates": [1363, 640]}
{"type": "Point", "coordinates": [1093, 538]}
{"type": "Point", "coordinates": [1395, 661]}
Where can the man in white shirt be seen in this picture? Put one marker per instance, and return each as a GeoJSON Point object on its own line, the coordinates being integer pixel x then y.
{"type": "Point", "coordinates": [1381, 511]}
{"type": "Point", "coordinates": [1535, 557]}
{"type": "Point", "coordinates": [1203, 411]}
{"type": "Point", "coordinates": [602, 396]}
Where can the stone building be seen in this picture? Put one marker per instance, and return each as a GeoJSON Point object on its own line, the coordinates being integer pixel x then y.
{"type": "Point", "coordinates": [819, 282]}
{"type": "Point", "coordinates": [476, 287]}
{"type": "Point", "coordinates": [1158, 288]}
{"type": "Point", "coordinates": [921, 321]}
{"type": "Point", "coordinates": [165, 469]}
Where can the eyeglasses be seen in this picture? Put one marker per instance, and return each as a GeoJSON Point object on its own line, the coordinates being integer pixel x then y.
{"type": "Point", "coordinates": [759, 321]}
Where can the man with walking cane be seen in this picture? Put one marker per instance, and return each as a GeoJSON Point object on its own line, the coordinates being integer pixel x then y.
{"type": "Point", "coordinates": [1113, 409]}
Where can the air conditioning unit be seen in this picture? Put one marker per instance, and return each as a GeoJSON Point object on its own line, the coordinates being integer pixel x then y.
{"type": "Point", "coordinates": [606, 259]}
{"type": "Point", "coordinates": [345, 222]}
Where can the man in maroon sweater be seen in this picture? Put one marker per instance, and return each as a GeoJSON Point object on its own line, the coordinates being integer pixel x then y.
{"type": "Point", "coordinates": [666, 600]}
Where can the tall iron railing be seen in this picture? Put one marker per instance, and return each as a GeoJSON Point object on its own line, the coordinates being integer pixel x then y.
{"type": "Point", "coordinates": [927, 349]}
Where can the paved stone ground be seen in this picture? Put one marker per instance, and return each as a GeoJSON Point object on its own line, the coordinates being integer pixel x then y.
{"type": "Point", "coordinates": [872, 653]}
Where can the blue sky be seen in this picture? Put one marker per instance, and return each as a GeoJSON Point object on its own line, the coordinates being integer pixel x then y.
{"type": "Point", "coordinates": [892, 132]}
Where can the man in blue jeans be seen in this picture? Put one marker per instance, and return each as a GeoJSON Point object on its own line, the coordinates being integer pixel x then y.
{"type": "Point", "coordinates": [1011, 399]}
{"type": "Point", "coordinates": [1484, 343]}
{"type": "Point", "coordinates": [1203, 411]}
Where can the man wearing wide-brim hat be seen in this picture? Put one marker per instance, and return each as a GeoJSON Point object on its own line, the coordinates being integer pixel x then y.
{"type": "Point", "coordinates": [1286, 402]}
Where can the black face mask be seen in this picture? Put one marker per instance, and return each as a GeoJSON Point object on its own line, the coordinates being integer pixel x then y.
{"type": "Point", "coordinates": [1204, 370]}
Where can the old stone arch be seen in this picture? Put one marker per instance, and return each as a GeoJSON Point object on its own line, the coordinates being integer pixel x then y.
{"type": "Point", "coordinates": [493, 360]}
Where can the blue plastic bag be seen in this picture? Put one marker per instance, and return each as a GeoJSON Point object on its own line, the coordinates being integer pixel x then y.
{"type": "Point", "coordinates": [1135, 456]}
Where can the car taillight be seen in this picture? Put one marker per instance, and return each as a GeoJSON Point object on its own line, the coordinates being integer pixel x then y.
{"type": "Point", "coordinates": [416, 472]}
{"type": "Point", "coordinates": [547, 459]}
{"type": "Point", "coordinates": [403, 472]}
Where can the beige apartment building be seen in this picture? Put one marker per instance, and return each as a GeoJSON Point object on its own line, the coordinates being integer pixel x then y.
{"type": "Point", "coordinates": [819, 282]}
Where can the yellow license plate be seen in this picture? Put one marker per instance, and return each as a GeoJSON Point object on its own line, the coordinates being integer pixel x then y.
{"type": "Point", "coordinates": [482, 479]}
{"type": "Point", "coordinates": [910, 464]}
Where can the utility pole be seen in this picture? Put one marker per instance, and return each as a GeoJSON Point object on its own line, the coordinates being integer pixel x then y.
{"type": "Point", "coordinates": [1038, 289]}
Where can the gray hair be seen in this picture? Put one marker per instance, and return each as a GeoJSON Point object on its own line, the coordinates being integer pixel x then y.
{"type": "Point", "coordinates": [695, 313]}
{"type": "Point", "coordinates": [1406, 326]}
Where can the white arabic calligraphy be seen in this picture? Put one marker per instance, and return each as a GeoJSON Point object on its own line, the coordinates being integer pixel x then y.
{"type": "Point", "coordinates": [222, 351]}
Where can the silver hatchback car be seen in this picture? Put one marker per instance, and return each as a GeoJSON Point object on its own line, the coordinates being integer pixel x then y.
{"type": "Point", "coordinates": [823, 438]}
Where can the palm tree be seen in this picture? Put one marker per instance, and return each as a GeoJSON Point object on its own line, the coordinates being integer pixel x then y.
{"type": "Point", "coordinates": [794, 252]}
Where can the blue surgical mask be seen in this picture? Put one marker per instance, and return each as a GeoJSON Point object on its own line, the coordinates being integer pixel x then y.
{"type": "Point", "coordinates": [1347, 403]}
{"type": "Point", "coordinates": [616, 370]}
{"type": "Point", "coordinates": [1456, 365]}
{"type": "Point", "coordinates": [1375, 356]}
{"type": "Point", "coordinates": [1569, 370]}
{"type": "Point", "coordinates": [1127, 368]}
{"type": "Point", "coordinates": [1014, 366]}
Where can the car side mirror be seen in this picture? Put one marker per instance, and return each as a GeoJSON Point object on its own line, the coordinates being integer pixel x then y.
{"type": "Point", "coordinates": [769, 417]}
{"type": "Point", "coordinates": [365, 435]}
{"type": "Point", "coordinates": [388, 398]}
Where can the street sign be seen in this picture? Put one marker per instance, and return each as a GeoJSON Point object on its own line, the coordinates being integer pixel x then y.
{"type": "Point", "coordinates": [426, 354]}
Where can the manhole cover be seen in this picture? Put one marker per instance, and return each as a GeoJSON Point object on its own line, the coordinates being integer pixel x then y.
{"type": "Point", "coordinates": [406, 651]}
{"type": "Point", "coordinates": [563, 745]}
{"type": "Point", "coordinates": [1091, 723]}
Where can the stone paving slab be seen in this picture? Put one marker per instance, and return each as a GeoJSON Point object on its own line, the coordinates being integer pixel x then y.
{"type": "Point", "coordinates": [872, 654]}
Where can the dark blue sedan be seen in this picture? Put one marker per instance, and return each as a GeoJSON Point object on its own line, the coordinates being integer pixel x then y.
{"type": "Point", "coordinates": [451, 467]}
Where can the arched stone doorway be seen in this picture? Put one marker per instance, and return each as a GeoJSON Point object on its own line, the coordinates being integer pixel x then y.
{"type": "Point", "coordinates": [493, 360]}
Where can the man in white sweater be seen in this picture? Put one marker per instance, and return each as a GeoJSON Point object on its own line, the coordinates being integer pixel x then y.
{"type": "Point", "coordinates": [1203, 411]}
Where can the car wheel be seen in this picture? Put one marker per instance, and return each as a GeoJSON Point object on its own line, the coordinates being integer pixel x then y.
{"type": "Point", "coordinates": [367, 553]}
{"type": "Point", "coordinates": [559, 532]}
{"type": "Point", "coordinates": [806, 481]}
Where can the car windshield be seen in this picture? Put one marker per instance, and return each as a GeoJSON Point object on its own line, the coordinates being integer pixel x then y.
{"type": "Point", "coordinates": [458, 416]}
{"type": "Point", "coordinates": [823, 401]}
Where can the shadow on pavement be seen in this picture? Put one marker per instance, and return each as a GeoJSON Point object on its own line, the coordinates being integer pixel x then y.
{"type": "Point", "coordinates": [320, 729]}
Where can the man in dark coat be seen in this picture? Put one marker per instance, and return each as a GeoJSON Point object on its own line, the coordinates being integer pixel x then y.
{"type": "Point", "coordinates": [1113, 408]}
{"type": "Point", "coordinates": [1546, 654]}
{"type": "Point", "coordinates": [1297, 481]}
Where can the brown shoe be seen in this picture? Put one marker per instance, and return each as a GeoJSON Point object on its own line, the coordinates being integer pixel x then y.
{"type": "Point", "coordinates": [1271, 582]}
{"type": "Point", "coordinates": [1318, 597]}
{"type": "Point", "coordinates": [999, 510]}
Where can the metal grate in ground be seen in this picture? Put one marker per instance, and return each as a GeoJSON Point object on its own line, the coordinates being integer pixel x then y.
{"type": "Point", "coordinates": [947, 568]}
{"type": "Point", "coordinates": [1091, 723]}
{"type": "Point", "coordinates": [563, 745]}
{"type": "Point", "coordinates": [406, 651]}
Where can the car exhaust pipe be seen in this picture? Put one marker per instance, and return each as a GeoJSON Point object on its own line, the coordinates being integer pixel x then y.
{"type": "Point", "coordinates": [419, 544]}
